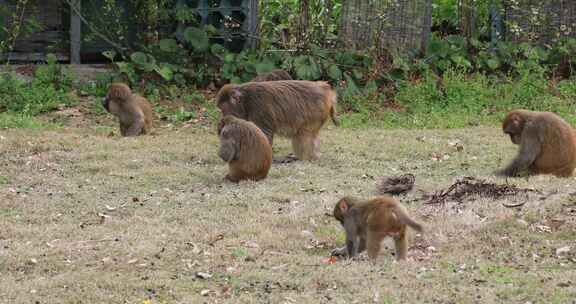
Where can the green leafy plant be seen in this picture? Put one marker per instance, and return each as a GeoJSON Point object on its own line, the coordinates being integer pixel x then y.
{"type": "Point", "coordinates": [53, 74]}
{"type": "Point", "coordinates": [30, 98]}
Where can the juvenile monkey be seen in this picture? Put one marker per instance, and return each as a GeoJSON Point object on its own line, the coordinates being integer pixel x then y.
{"type": "Point", "coordinates": [547, 144]}
{"type": "Point", "coordinates": [291, 108]}
{"type": "Point", "coordinates": [274, 75]}
{"type": "Point", "coordinates": [133, 111]}
{"type": "Point", "coordinates": [368, 222]}
{"type": "Point", "coordinates": [245, 148]}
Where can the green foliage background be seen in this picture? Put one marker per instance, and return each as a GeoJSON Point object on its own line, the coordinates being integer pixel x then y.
{"type": "Point", "coordinates": [461, 81]}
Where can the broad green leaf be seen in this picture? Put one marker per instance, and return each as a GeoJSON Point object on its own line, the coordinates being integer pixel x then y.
{"type": "Point", "coordinates": [168, 45]}
{"type": "Point", "coordinates": [218, 50]}
{"type": "Point", "coordinates": [229, 58]}
{"type": "Point", "coordinates": [165, 71]}
{"type": "Point", "coordinates": [334, 72]}
{"type": "Point", "coordinates": [351, 87]}
{"type": "Point", "coordinates": [493, 63]}
{"type": "Point", "coordinates": [197, 38]}
{"type": "Point", "coordinates": [357, 73]}
{"type": "Point", "coordinates": [139, 58]}
{"type": "Point", "coordinates": [306, 68]}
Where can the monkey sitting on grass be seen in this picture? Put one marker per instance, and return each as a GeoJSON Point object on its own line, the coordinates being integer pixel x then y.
{"type": "Point", "coordinates": [134, 112]}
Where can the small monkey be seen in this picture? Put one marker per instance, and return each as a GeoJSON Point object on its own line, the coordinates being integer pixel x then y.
{"type": "Point", "coordinates": [547, 144]}
{"type": "Point", "coordinates": [133, 111]}
{"type": "Point", "coordinates": [368, 222]}
{"type": "Point", "coordinates": [245, 148]}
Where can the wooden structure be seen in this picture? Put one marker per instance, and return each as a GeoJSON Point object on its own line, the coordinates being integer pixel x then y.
{"type": "Point", "coordinates": [64, 31]}
{"type": "Point", "coordinates": [50, 39]}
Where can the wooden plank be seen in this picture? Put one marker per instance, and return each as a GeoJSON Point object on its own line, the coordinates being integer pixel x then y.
{"type": "Point", "coordinates": [75, 32]}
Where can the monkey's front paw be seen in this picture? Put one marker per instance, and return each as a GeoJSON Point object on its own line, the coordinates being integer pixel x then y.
{"type": "Point", "coordinates": [339, 252]}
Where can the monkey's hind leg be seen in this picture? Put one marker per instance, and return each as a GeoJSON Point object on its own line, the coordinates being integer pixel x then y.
{"type": "Point", "coordinates": [123, 129]}
{"type": "Point", "coordinates": [401, 245]}
{"type": "Point", "coordinates": [303, 145]}
{"type": "Point", "coordinates": [234, 175]}
{"type": "Point", "coordinates": [373, 244]}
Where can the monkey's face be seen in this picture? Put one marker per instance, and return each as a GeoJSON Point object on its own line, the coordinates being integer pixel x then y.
{"type": "Point", "coordinates": [341, 209]}
{"type": "Point", "coordinates": [229, 102]}
{"type": "Point", "coordinates": [111, 105]}
{"type": "Point", "coordinates": [513, 126]}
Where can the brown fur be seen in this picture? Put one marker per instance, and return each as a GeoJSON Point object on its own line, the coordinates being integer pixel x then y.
{"type": "Point", "coordinates": [246, 149]}
{"type": "Point", "coordinates": [547, 144]}
{"type": "Point", "coordinates": [367, 223]}
{"type": "Point", "coordinates": [274, 75]}
{"type": "Point", "coordinates": [134, 112]}
{"type": "Point", "coordinates": [291, 108]}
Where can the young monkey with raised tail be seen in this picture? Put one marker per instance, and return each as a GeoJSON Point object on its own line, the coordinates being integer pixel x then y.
{"type": "Point", "coordinates": [368, 222]}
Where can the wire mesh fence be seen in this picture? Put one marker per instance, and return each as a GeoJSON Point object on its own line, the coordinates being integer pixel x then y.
{"type": "Point", "coordinates": [539, 21]}
{"type": "Point", "coordinates": [394, 25]}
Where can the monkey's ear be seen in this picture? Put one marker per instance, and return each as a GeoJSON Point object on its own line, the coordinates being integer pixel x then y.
{"type": "Point", "coordinates": [235, 96]}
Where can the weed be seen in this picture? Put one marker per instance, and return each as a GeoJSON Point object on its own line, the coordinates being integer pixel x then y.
{"type": "Point", "coordinates": [11, 120]}
{"type": "Point", "coordinates": [31, 98]}
{"type": "Point", "coordinates": [53, 74]}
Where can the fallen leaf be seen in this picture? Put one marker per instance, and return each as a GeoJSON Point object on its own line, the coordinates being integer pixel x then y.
{"type": "Point", "coordinates": [330, 260]}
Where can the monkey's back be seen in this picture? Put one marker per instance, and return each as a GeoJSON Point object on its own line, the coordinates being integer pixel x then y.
{"type": "Point", "coordinates": [146, 108]}
{"type": "Point", "coordinates": [288, 107]}
{"type": "Point", "coordinates": [380, 215]}
{"type": "Point", "coordinates": [255, 153]}
{"type": "Point", "coordinates": [558, 155]}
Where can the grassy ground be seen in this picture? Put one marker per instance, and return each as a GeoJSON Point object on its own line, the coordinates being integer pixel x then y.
{"type": "Point", "coordinates": [90, 218]}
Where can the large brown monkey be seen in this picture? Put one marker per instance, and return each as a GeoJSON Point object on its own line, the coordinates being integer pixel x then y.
{"type": "Point", "coordinates": [133, 111]}
{"type": "Point", "coordinates": [274, 75]}
{"type": "Point", "coordinates": [246, 149]}
{"type": "Point", "coordinates": [367, 223]}
{"type": "Point", "coordinates": [547, 144]}
{"type": "Point", "coordinates": [291, 108]}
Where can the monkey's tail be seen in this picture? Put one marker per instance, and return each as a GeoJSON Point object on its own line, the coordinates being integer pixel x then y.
{"type": "Point", "coordinates": [333, 116]}
{"type": "Point", "coordinates": [333, 99]}
{"type": "Point", "coordinates": [402, 215]}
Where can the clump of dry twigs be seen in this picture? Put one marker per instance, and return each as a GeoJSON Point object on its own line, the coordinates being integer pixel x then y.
{"type": "Point", "coordinates": [395, 184]}
{"type": "Point", "coordinates": [470, 186]}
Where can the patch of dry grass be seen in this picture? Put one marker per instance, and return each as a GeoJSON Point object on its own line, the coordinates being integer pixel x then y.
{"type": "Point", "coordinates": [87, 218]}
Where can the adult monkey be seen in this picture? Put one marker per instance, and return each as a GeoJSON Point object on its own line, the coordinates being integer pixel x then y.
{"type": "Point", "coordinates": [547, 144]}
{"type": "Point", "coordinates": [292, 108]}
{"type": "Point", "coordinates": [245, 148]}
{"type": "Point", "coordinates": [273, 75]}
{"type": "Point", "coordinates": [134, 112]}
